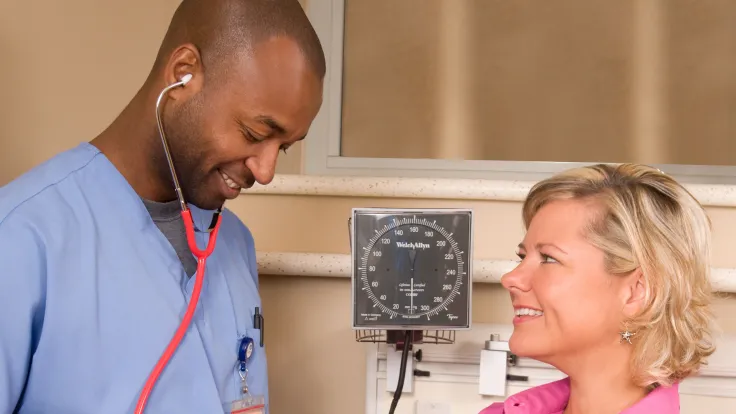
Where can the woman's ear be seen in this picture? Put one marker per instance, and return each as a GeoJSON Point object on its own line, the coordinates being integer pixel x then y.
{"type": "Point", "coordinates": [634, 291]}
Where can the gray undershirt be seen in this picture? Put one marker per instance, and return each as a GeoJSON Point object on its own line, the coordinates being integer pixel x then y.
{"type": "Point", "coordinates": [167, 217]}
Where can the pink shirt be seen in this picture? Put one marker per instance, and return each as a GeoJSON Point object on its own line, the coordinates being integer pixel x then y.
{"type": "Point", "coordinates": [552, 399]}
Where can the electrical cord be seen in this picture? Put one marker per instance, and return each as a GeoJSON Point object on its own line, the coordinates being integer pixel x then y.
{"type": "Point", "coordinates": [402, 372]}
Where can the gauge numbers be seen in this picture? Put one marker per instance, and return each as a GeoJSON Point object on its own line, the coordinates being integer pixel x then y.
{"type": "Point", "coordinates": [411, 268]}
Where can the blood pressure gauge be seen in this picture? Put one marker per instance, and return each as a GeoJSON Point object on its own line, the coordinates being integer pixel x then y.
{"type": "Point", "coordinates": [411, 268]}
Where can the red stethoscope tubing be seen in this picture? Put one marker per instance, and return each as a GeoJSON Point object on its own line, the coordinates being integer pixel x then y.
{"type": "Point", "coordinates": [201, 256]}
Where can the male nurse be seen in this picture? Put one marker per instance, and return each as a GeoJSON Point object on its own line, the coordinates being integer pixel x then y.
{"type": "Point", "coordinates": [96, 271]}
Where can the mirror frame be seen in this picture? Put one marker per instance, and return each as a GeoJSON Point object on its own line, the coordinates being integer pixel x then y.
{"type": "Point", "coordinates": [321, 150]}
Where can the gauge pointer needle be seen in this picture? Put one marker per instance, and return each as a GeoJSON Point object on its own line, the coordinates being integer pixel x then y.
{"type": "Point", "coordinates": [413, 259]}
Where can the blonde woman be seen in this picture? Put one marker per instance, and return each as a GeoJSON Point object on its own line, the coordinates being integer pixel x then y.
{"type": "Point", "coordinates": [613, 290]}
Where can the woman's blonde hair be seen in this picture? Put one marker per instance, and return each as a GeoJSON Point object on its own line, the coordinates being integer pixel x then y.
{"type": "Point", "coordinates": [648, 221]}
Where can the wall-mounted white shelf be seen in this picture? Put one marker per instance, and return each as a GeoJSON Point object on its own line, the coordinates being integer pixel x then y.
{"type": "Point", "coordinates": [712, 195]}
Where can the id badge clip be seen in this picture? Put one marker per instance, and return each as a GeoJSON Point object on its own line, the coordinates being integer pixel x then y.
{"type": "Point", "coordinates": [247, 404]}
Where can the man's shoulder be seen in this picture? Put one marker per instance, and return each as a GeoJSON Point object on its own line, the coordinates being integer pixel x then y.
{"type": "Point", "coordinates": [236, 226]}
{"type": "Point", "coordinates": [36, 189]}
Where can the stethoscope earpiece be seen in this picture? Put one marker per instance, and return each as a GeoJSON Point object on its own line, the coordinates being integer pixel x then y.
{"type": "Point", "coordinates": [186, 78]}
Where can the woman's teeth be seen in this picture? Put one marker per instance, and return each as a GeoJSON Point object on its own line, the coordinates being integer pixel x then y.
{"type": "Point", "coordinates": [528, 312]}
{"type": "Point", "coordinates": [230, 183]}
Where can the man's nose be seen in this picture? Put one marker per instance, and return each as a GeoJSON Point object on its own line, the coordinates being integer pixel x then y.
{"type": "Point", "coordinates": [263, 165]}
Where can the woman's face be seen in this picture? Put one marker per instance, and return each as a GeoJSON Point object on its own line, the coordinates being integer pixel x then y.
{"type": "Point", "coordinates": [564, 300]}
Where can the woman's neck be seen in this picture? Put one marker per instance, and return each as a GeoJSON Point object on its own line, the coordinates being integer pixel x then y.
{"type": "Point", "coordinates": [601, 383]}
{"type": "Point", "coordinates": [606, 397]}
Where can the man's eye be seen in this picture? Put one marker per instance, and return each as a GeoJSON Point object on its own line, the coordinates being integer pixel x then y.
{"type": "Point", "coordinates": [251, 136]}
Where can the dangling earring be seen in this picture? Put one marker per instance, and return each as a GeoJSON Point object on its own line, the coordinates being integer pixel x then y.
{"type": "Point", "coordinates": [626, 336]}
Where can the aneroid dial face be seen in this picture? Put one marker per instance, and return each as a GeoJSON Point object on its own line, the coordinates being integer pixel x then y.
{"type": "Point", "coordinates": [411, 270]}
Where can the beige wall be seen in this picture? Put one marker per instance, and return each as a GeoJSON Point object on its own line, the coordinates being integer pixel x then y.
{"type": "Point", "coordinates": [69, 67]}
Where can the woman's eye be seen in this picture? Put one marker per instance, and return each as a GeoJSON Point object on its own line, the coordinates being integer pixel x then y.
{"type": "Point", "coordinates": [548, 259]}
{"type": "Point", "coordinates": [521, 256]}
{"type": "Point", "coordinates": [284, 149]}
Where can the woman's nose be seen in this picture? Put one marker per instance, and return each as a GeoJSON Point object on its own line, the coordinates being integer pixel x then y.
{"type": "Point", "coordinates": [518, 278]}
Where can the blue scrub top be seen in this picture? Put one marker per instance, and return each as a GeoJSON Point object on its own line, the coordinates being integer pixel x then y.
{"type": "Point", "coordinates": [91, 293]}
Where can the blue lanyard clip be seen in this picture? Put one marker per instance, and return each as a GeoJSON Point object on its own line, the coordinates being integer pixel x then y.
{"type": "Point", "coordinates": [245, 351]}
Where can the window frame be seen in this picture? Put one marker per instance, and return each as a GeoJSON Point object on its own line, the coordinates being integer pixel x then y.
{"type": "Point", "coordinates": [321, 155]}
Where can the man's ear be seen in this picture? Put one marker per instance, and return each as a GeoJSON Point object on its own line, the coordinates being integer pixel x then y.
{"type": "Point", "coordinates": [184, 60]}
{"type": "Point", "coordinates": [634, 291]}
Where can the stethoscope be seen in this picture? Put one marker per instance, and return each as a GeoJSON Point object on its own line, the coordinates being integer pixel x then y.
{"type": "Point", "coordinates": [201, 255]}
